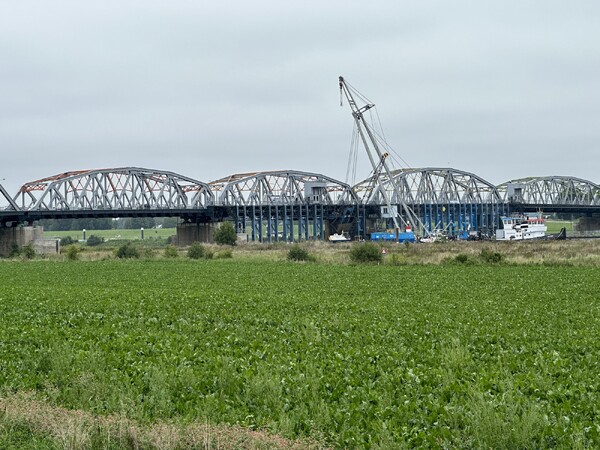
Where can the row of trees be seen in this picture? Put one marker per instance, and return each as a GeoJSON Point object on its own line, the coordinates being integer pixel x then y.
{"type": "Point", "coordinates": [107, 223]}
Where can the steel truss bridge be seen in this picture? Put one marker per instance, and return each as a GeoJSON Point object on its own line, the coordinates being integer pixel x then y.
{"type": "Point", "coordinates": [291, 205]}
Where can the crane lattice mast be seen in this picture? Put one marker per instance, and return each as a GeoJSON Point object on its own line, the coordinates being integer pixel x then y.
{"type": "Point", "coordinates": [377, 158]}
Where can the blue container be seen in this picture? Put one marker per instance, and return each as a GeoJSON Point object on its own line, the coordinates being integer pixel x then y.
{"type": "Point", "coordinates": [407, 236]}
{"type": "Point", "coordinates": [383, 236]}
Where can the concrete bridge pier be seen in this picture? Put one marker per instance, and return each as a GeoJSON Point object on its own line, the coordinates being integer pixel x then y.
{"type": "Point", "coordinates": [18, 237]}
{"type": "Point", "coordinates": [588, 223]}
{"type": "Point", "coordinates": [187, 233]}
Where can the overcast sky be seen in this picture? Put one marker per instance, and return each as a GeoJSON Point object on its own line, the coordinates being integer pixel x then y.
{"type": "Point", "coordinates": [207, 89]}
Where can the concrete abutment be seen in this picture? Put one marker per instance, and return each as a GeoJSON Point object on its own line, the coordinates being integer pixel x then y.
{"type": "Point", "coordinates": [188, 233]}
{"type": "Point", "coordinates": [12, 238]}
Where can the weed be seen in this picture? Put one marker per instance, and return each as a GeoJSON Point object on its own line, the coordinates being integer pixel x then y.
{"type": "Point", "coordinates": [396, 259]}
{"type": "Point", "coordinates": [67, 240]}
{"type": "Point", "coordinates": [366, 253]}
{"type": "Point", "coordinates": [14, 250]}
{"type": "Point", "coordinates": [225, 234]}
{"type": "Point", "coordinates": [196, 251]}
{"type": "Point", "coordinates": [72, 252]}
{"type": "Point", "coordinates": [491, 257]}
{"type": "Point", "coordinates": [94, 240]}
{"type": "Point", "coordinates": [224, 254]}
{"type": "Point", "coordinates": [28, 252]}
{"type": "Point", "coordinates": [170, 251]}
{"type": "Point", "coordinates": [462, 258]}
{"type": "Point", "coordinates": [127, 250]}
{"type": "Point", "coordinates": [149, 253]}
{"type": "Point", "coordinates": [298, 253]}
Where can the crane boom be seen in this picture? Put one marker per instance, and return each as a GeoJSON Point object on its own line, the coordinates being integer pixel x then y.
{"type": "Point", "coordinates": [377, 158]}
{"type": "Point", "coordinates": [373, 179]}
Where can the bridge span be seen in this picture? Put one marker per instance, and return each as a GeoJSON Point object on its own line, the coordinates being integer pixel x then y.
{"type": "Point", "coordinates": [292, 205]}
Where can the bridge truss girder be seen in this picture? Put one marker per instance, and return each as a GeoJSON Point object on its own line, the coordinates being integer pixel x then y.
{"type": "Point", "coordinates": [431, 186]}
{"type": "Point", "coordinates": [127, 188]}
{"type": "Point", "coordinates": [293, 205]}
{"type": "Point", "coordinates": [276, 188]}
{"type": "Point", "coordinates": [286, 205]}
{"type": "Point", "coordinates": [12, 205]}
{"type": "Point", "coordinates": [552, 190]}
{"type": "Point", "coordinates": [443, 198]}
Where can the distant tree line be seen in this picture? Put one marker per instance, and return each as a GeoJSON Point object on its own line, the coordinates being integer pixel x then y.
{"type": "Point", "coordinates": [107, 223]}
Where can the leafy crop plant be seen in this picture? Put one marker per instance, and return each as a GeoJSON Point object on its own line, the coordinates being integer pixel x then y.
{"type": "Point", "coordinates": [350, 356]}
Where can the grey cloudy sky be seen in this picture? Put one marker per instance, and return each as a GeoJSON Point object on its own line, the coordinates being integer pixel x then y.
{"type": "Point", "coordinates": [207, 89]}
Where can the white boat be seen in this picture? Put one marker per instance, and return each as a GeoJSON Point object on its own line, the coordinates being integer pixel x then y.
{"type": "Point", "coordinates": [337, 238]}
{"type": "Point", "coordinates": [521, 227]}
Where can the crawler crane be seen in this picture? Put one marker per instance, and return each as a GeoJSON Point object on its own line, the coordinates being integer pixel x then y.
{"type": "Point", "coordinates": [379, 162]}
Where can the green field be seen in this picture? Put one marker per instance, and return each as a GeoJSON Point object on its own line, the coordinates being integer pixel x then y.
{"type": "Point", "coordinates": [554, 226]}
{"type": "Point", "coordinates": [125, 234]}
{"type": "Point", "coordinates": [483, 356]}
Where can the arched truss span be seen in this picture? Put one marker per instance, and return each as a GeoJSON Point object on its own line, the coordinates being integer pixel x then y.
{"type": "Point", "coordinates": [428, 186]}
{"type": "Point", "coordinates": [281, 188]}
{"type": "Point", "coordinates": [123, 188]}
{"type": "Point", "coordinates": [551, 190]}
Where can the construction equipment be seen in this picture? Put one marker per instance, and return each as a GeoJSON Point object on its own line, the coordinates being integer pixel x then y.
{"type": "Point", "coordinates": [369, 190]}
{"type": "Point", "coordinates": [378, 161]}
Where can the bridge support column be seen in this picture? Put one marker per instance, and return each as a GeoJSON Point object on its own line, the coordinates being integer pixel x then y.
{"type": "Point", "coordinates": [588, 224]}
{"type": "Point", "coordinates": [188, 233]}
{"type": "Point", "coordinates": [18, 237]}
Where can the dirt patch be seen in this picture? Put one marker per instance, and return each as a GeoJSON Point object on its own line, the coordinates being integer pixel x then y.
{"type": "Point", "coordinates": [75, 429]}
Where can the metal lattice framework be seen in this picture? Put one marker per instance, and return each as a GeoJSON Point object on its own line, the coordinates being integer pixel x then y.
{"type": "Point", "coordinates": [292, 205]}
{"type": "Point", "coordinates": [127, 188]}
{"type": "Point", "coordinates": [430, 186]}
{"type": "Point", "coordinates": [443, 199]}
{"type": "Point", "coordinates": [553, 190]}
{"type": "Point", "coordinates": [284, 205]}
{"type": "Point", "coordinates": [4, 195]}
{"type": "Point", "coordinates": [281, 188]}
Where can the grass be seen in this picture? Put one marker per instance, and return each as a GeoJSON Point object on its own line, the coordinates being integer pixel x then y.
{"type": "Point", "coordinates": [458, 356]}
{"type": "Point", "coordinates": [577, 252]}
{"type": "Point", "coordinates": [30, 423]}
{"type": "Point", "coordinates": [554, 226]}
{"type": "Point", "coordinates": [119, 235]}
{"type": "Point", "coordinates": [573, 252]}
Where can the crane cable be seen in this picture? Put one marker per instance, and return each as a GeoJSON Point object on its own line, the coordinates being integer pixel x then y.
{"type": "Point", "coordinates": [378, 132]}
{"type": "Point", "coordinates": [352, 158]}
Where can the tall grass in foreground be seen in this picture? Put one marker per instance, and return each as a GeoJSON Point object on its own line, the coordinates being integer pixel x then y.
{"type": "Point", "coordinates": [551, 253]}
